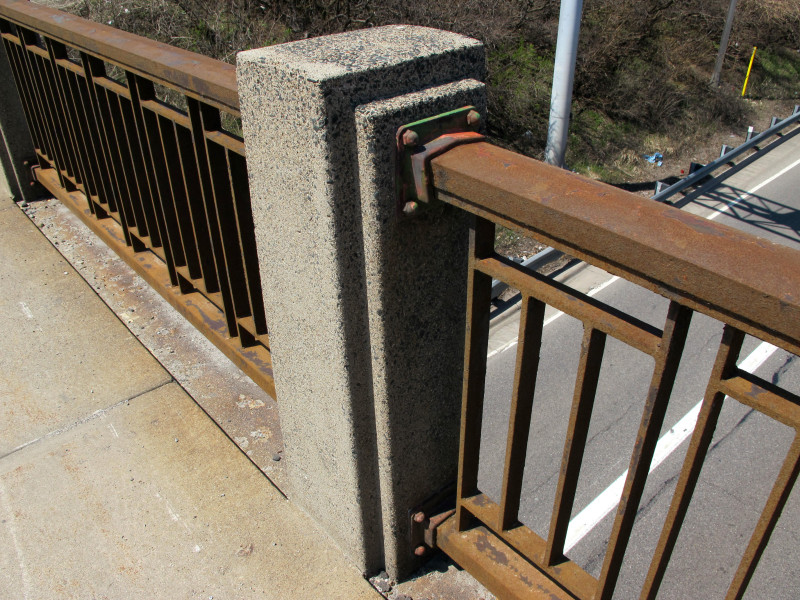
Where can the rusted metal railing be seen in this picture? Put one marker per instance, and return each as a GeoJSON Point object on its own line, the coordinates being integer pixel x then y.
{"type": "Point", "coordinates": [683, 257]}
{"type": "Point", "coordinates": [129, 134]}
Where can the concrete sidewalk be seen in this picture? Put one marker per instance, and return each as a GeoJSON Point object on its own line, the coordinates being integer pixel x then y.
{"type": "Point", "coordinates": [114, 483]}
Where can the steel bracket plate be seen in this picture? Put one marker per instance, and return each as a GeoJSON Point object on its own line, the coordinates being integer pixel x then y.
{"type": "Point", "coordinates": [420, 142]}
{"type": "Point", "coordinates": [427, 516]}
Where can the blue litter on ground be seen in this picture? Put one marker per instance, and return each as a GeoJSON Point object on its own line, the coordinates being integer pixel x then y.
{"type": "Point", "coordinates": [656, 158]}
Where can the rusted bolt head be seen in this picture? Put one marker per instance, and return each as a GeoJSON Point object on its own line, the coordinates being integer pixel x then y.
{"type": "Point", "coordinates": [410, 138]}
{"type": "Point", "coordinates": [473, 118]}
{"type": "Point", "coordinates": [410, 208]}
{"type": "Point", "coordinates": [420, 550]}
{"type": "Point", "coordinates": [419, 517]}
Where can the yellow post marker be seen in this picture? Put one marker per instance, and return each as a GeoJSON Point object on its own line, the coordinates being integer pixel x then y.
{"type": "Point", "coordinates": [749, 68]}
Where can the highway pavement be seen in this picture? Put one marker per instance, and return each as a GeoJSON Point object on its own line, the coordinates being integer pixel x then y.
{"type": "Point", "coordinates": [747, 450]}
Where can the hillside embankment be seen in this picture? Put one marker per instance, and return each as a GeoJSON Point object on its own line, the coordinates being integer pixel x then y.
{"type": "Point", "coordinates": [642, 78]}
{"type": "Point", "coordinates": [642, 75]}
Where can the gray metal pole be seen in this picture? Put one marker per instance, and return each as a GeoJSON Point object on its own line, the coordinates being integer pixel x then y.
{"type": "Point", "coordinates": [723, 45]}
{"type": "Point", "coordinates": [569, 26]}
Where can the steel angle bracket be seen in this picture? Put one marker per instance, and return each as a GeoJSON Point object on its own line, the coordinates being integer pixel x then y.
{"type": "Point", "coordinates": [420, 142]}
{"type": "Point", "coordinates": [427, 516]}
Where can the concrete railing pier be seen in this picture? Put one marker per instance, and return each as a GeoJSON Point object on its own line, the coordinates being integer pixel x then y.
{"type": "Point", "coordinates": [15, 139]}
{"type": "Point", "coordinates": [365, 310]}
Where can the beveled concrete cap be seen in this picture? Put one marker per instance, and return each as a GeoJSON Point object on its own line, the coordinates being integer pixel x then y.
{"type": "Point", "coordinates": [332, 56]}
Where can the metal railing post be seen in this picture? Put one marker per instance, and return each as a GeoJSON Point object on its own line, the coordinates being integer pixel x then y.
{"type": "Point", "coordinates": [365, 308]}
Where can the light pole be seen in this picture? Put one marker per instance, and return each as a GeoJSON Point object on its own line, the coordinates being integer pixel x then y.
{"type": "Point", "coordinates": [723, 45]}
{"type": "Point", "coordinates": [569, 26]}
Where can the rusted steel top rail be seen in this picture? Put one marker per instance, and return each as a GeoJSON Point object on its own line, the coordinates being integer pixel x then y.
{"type": "Point", "coordinates": [210, 81]}
{"type": "Point", "coordinates": [728, 274]}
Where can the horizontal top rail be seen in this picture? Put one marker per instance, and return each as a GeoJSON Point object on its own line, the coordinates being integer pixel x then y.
{"type": "Point", "coordinates": [206, 79]}
{"type": "Point", "coordinates": [728, 274]}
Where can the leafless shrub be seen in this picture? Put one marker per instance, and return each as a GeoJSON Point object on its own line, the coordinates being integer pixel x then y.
{"type": "Point", "coordinates": [769, 22]}
{"type": "Point", "coordinates": [643, 67]}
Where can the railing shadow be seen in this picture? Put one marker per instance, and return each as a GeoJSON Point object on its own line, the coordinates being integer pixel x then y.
{"type": "Point", "coordinates": [645, 186]}
{"type": "Point", "coordinates": [772, 219]}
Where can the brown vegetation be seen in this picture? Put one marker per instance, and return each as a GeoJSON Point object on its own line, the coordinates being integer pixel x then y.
{"type": "Point", "coordinates": [642, 73]}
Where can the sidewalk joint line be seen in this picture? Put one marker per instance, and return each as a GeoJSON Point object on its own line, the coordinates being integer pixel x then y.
{"type": "Point", "coordinates": [100, 412]}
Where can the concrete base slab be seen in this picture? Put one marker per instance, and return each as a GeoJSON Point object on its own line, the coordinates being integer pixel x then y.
{"type": "Point", "coordinates": [47, 319]}
{"type": "Point", "coordinates": [152, 500]}
{"type": "Point", "coordinates": [131, 491]}
{"type": "Point", "coordinates": [440, 579]}
{"type": "Point", "coordinates": [242, 409]}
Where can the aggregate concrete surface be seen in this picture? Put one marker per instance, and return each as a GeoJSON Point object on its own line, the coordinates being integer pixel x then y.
{"type": "Point", "coordinates": [246, 414]}
{"type": "Point", "coordinates": [244, 411]}
{"type": "Point", "coordinates": [322, 223]}
{"type": "Point", "coordinates": [114, 483]}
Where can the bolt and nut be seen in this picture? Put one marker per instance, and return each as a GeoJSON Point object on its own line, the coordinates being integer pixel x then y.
{"type": "Point", "coordinates": [410, 138]}
{"type": "Point", "coordinates": [410, 208]}
{"type": "Point", "coordinates": [473, 118]}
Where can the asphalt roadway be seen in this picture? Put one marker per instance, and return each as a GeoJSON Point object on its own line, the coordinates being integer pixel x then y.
{"type": "Point", "coordinates": [748, 447]}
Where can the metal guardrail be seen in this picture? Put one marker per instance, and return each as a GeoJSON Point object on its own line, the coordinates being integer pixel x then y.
{"type": "Point", "coordinates": [753, 141]}
{"type": "Point", "coordinates": [165, 187]}
{"type": "Point", "coordinates": [532, 263]}
{"type": "Point", "coordinates": [678, 255]}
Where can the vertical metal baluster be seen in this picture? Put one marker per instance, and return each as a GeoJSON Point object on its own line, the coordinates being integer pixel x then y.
{"type": "Point", "coordinates": [591, 360]}
{"type": "Point", "coordinates": [93, 69]}
{"type": "Point", "coordinates": [479, 291]}
{"type": "Point", "coordinates": [160, 201]}
{"type": "Point", "coordinates": [44, 117]}
{"type": "Point", "coordinates": [226, 219]}
{"type": "Point", "coordinates": [194, 195]}
{"type": "Point", "coordinates": [529, 346]}
{"type": "Point", "coordinates": [196, 114]}
{"type": "Point", "coordinates": [201, 160]}
{"type": "Point", "coordinates": [247, 237]}
{"type": "Point", "coordinates": [12, 53]}
{"type": "Point", "coordinates": [667, 361]}
{"type": "Point", "coordinates": [56, 113]}
{"type": "Point", "coordinates": [72, 134]}
{"type": "Point", "coordinates": [133, 165]}
{"type": "Point", "coordinates": [169, 138]}
{"type": "Point", "coordinates": [118, 145]}
{"type": "Point", "coordinates": [95, 158]}
{"type": "Point", "coordinates": [93, 183]}
{"type": "Point", "coordinates": [724, 367]}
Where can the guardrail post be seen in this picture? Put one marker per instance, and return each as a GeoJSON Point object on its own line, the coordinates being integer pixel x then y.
{"type": "Point", "coordinates": [365, 310]}
{"type": "Point", "coordinates": [16, 146]}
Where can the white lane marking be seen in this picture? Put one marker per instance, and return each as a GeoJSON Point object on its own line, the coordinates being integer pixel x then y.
{"type": "Point", "coordinates": [592, 292]}
{"type": "Point", "coordinates": [711, 217]}
{"type": "Point", "coordinates": [742, 198]}
{"type": "Point", "coordinates": [25, 310]}
{"type": "Point", "coordinates": [608, 500]}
